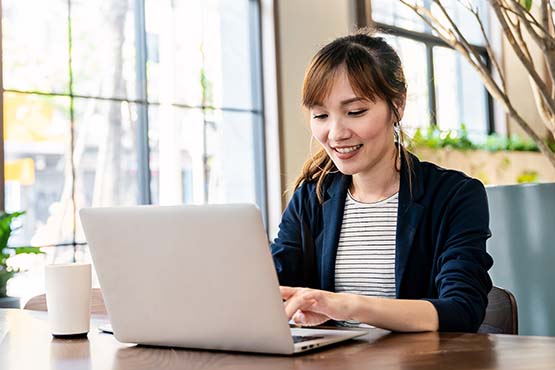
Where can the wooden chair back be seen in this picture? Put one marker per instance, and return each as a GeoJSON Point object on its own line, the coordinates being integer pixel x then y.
{"type": "Point", "coordinates": [501, 313]}
{"type": "Point", "coordinates": [38, 303]}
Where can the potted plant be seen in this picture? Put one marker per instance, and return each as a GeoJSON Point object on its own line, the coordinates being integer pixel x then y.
{"type": "Point", "coordinates": [7, 272]}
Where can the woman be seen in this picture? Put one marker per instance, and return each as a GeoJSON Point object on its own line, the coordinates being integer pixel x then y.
{"type": "Point", "coordinates": [371, 234]}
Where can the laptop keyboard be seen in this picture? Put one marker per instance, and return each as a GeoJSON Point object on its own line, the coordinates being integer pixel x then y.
{"type": "Point", "coordinates": [304, 338]}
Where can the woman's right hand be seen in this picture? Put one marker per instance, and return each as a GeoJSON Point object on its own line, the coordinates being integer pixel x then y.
{"type": "Point", "coordinates": [311, 307]}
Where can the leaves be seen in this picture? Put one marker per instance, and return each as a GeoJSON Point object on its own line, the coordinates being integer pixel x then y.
{"type": "Point", "coordinates": [526, 4]}
{"type": "Point", "coordinates": [27, 250]}
{"type": "Point", "coordinates": [435, 138]}
{"type": "Point", "coordinates": [6, 252]}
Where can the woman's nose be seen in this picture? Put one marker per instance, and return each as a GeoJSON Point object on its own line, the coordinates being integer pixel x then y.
{"type": "Point", "coordinates": [338, 131]}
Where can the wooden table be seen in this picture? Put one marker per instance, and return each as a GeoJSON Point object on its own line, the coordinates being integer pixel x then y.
{"type": "Point", "coordinates": [27, 344]}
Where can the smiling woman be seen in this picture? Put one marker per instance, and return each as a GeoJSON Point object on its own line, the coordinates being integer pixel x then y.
{"type": "Point", "coordinates": [372, 235]}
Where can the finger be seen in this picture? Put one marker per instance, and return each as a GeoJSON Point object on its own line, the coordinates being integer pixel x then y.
{"type": "Point", "coordinates": [298, 317]}
{"type": "Point", "coordinates": [297, 302]}
{"type": "Point", "coordinates": [287, 292]}
{"type": "Point", "coordinates": [308, 318]}
{"type": "Point", "coordinates": [316, 297]}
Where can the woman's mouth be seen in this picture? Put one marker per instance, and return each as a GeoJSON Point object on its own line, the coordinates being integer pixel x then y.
{"type": "Point", "coordinates": [346, 152]}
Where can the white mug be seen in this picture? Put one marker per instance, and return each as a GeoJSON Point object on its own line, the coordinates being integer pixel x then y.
{"type": "Point", "coordinates": [68, 299]}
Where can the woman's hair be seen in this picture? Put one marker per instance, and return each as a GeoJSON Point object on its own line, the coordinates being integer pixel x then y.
{"type": "Point", "coordinates": [374, 71]}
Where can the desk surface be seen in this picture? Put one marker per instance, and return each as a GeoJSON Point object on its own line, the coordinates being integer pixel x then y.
{"type": "Point", "coordinates": [28, 345]}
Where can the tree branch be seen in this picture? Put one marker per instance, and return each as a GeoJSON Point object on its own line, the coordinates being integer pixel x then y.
{"type": "Point", "coordinates": [460, 37]}
{"type": "Point", "coordinates": [489, 49]}
{"type": "Point", "coordinates": [431, 20]}
{"type": "Point", "coordinates": [544, 40]}
{"type": "Point", "coordinates": [528, 65]}
{"type": "Point", "coordinates": [547, 23]}
{"type": "Point", "coordinates": [528, 18]}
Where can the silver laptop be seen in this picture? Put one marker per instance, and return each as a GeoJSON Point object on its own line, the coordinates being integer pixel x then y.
{"type": "Point", "coordinates": [196, 277]}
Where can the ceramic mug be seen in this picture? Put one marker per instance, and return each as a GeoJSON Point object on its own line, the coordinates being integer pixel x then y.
{"type": "Point", "coordinates": [68, 299]}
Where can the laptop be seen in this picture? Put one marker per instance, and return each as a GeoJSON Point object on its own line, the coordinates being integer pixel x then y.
{"type": "Point", "coordinates": [195, 277]}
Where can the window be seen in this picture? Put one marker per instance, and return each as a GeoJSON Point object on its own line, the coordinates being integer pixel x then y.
{"type": "Point", "coordinates": [123, 102]}
{"type": "Point", "coordinates": [443, 89]}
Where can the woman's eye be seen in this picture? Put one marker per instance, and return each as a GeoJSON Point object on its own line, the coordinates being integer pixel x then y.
{"type": "Point", "coordinates": [357, 112]}
{"type": "Point", "coordinates": [319, 116]}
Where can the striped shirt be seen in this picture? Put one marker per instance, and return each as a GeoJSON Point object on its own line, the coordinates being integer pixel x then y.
{"type": "Point", "coordinates": [365, 262]}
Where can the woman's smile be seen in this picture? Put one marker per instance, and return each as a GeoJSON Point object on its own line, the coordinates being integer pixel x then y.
{"type": "Point", "coordinates": [346, 152]}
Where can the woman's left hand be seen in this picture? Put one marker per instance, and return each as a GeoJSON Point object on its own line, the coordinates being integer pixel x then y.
{"type": "Point", "coordinates": [310, 307]}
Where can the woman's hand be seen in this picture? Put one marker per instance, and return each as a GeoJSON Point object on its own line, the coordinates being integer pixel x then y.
{"type": "Point", "coordinates": [310, 307]}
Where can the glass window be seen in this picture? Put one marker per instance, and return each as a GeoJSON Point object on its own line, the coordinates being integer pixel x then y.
{"type": "Point", "coordinates": [36, 167]}
{"type": "Point", "coordinates": [174, 51]}
{"type": "Point", "coordinates": [395, 13]}
{"type": "Point", "coordinates": [443, 89]}
{"type": "Point", "coordinates": [35, 48]}
{"type": "Point", "coordinates": [464, 19]}
{"type": "Point", "coordinates": [159, 103]}
{"type": "Point", "coordinates": [105, 155]}
{"type": "Point", "coordinates": [221, 168]}
{"type": "Point", "coordinates": [103, 48]}
{"type": "Point", "coordinates": [459, 100]}
{"type": "Point", "coordinates": [413, 56]}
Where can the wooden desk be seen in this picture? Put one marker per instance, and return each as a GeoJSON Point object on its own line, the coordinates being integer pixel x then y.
{"type": "Point", "coordinates": [28, 345]}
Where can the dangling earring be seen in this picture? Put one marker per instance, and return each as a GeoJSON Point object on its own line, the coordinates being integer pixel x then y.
{"type": "Point", "coordinates": [397, 137]}
{"type": "Point", "coordinates": [312, 157]}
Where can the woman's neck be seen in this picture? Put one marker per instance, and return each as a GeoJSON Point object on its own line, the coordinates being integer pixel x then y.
{"type": "Point", "coordinates": [381, 182]}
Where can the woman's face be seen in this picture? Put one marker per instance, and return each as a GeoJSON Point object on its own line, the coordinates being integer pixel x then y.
{"type": "Point", "coordinates": [356, 133]}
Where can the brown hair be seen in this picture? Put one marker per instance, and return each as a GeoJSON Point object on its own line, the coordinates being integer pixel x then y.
{"type": "Point", "coordinates": [374, 71]}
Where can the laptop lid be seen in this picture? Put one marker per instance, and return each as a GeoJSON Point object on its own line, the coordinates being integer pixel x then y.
{"type": "Point", "coordinates": [190, 276]}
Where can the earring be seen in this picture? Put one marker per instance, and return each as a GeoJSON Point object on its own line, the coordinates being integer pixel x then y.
{"type": "Point", "coordinates": [397, 137]}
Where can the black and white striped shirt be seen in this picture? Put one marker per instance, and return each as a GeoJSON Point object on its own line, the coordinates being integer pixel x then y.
{"type": "Point", "coordinates": [365, 262]}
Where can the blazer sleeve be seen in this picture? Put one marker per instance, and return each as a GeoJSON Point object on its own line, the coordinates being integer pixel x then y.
{"type": "Point", "coordinates": [287, 248]}
{"type": "Point", "coordinates": [463, 282]}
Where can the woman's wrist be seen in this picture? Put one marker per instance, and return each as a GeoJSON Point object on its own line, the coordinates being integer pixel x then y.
{"type": "Point", "coordinates": [354, 307]}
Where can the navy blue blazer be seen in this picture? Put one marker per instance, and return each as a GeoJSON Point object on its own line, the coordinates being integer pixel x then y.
{"type": "Point", "coordinates": [440, 256]}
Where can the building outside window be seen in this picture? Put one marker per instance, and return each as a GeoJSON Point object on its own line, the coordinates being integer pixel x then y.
{"type": "Point", "coordinates": [125, 102]}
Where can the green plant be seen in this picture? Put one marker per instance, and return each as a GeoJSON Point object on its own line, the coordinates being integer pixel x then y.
{"type": "Point", "coordinates": [7, 272]}
{"type": "Point", "coordinates": [435, 138]}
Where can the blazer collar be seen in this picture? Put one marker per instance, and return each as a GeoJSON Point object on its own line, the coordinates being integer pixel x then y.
{"type": "Point", "coordinates": [332, 214]}
{"type": "Point", "coordinates": [409, 214]}
{"type": "Point", "coordinates": [408, 217]}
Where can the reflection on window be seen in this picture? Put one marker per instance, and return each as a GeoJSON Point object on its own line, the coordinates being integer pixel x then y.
{"type": "Point", "coordinates": [161, 109]}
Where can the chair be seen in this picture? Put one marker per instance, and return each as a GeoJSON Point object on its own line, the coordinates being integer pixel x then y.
{"type": "Point", "coordinates": [501, 313]}
{"type": "Point", "coordinates": [38, 303]}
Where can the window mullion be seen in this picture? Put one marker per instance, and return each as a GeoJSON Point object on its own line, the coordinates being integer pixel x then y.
{"type": "Point", "coordinates": [143, 149]}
